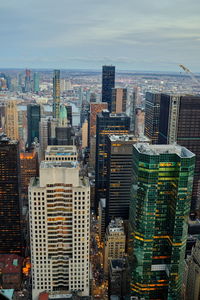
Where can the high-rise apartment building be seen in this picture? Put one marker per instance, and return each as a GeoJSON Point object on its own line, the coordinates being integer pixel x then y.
{"type": "Point", "coordinates": [115, 242]}
{"type": "Point", "coordinates": [56, 94]}
{"type": "Point", "coordinates": [106, 124]}
{"type": "Point", "coordinates": [152, 116]}
{"type": "Point", "coordinates": [59, 205]}
{"type": "Point", "coordinates": [159, 209]}
{"type": "Point", "coordinates": [33, 120]}
{"type": "Point", "coordinates": [119, 100]}
{"type": "Point", "coordinates": [10, 205]}
{"type": "Point", "coordinates": [108, 83]}
{"type": "Point", "coordinates": [119, 150]}
{"type": "Point", "coordinates": [180, 122]}
{"type": "Point", "coordinates": [11, 120]}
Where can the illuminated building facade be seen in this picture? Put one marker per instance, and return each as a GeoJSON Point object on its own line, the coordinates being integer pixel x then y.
{"type": "Point", "coordinates": [108, 83]}
{"type": "Point", "coordinates": [180, 122]}
{"type": "Point", "coordinates": [106, 124]}
{"type": "Point", "coordinates": [29, 169]}
{"type": "Point", "coordinates": [119, 99]}
{"type": "Point", "coordinates": [59, 205]}
{"type": "Point", "coordinates": [152, 116]}
{"type": "Point", "coordinates": [159, 209]}
{"type": "Point", "coordinates": [10, 206]}
{"type": "Point", "coordinates": [95, 109]}
{"type": "Point", "coordinates": [56, 94]}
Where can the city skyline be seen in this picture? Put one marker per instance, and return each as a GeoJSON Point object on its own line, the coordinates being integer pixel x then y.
{"type": "Point", "coordinates": [87, 34]}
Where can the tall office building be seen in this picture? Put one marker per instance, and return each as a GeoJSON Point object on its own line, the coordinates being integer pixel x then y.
{"type": "Point", "coordinates": [152, 116]}
{"type": "Point", "coordinates": [115, 242]}
{"type": "Point", "coordinates": [159, 209]}
{"type": "Point", "coordinates": [119, 100]}
{"type": "Point", "coordinates": [10, 206]}
{"type": "Point", "coordinates": [106, 124]}
{"type": "Point", "coordinates": [108, 83]}
{"type": "Point", "coordinates": [59, 205]}
{"type": "Point", "coordinates": [29, 169]}
{"type": "Point", "coordinates": [36, 83]}
{"type": "Point", "coordinates": [33, 120]}
{"type": "Point", "coordinates": [56, 94]}
{"type": "Point", "coordinates": [11, 120]}
{"type": "Point", "coordinates": [179, 122]}
{"type": "Point", "coordinates": [27, 87]}
{"type": "Point", "coordinates": [119, 150]}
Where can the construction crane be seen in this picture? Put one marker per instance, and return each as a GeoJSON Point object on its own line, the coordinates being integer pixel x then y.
{"type": "Point", "coordinates": [190, 74]}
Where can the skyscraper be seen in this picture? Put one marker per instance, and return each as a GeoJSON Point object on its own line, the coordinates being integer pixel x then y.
{"type": "Point", "coordinates": [59, 203]}
{"type": "Point", "coordinates": [179, 121]}
{"type": "Point", "coordinates": [152, 116]}
{"type": "Point", "coordinates": [56, 94]}
{"type": "Point", "coordinates": [119, 150]}
{"type": "Point", "coordinates": [160, 203]}
{"type": "Point", "coordinates": [108, 83]}
{"type": "Point", "coordinates": [106, 124]}
{"type": "Point", "coordinates": [33, 119]}
{"type": "Point", "coordinates": [10, 206]}
{"type": "Point", "coordinates": [27, 87]}
{"type": "Point", "coordinates": [119, 100]}
{"type": "Point", "coordinates": [11, 120]}
{"type": "Point", "coordinates": [36, 81]}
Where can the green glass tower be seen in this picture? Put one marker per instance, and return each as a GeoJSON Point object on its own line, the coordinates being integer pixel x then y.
{"type": "Point", "coordinates": [159, 209]}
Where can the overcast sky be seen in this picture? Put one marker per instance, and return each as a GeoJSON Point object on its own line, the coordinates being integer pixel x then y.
{"type": "Point", "coordinates": [131, 34]}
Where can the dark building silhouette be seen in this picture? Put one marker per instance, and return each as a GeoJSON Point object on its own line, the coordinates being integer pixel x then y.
{"type": "Point", "coordinates": [106, 124]}
{"type": "Point", "coordinates": [56, 94]}
{"type": "Point", "coordinates": [119, 150]}
{"type": "Point", "coordinates": [108, 83]}
{"type": "Point", "coordinates": [10, 205]}
{"type": "Point", "coordinates": [33, 119]}
{"type": "Point", "coordinates": [179, 121]}
{"type": "Point", "coordinates": [152, 116]}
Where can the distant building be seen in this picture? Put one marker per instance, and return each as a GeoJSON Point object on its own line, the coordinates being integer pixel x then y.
{"type": "Point", "coordinates": [108, 83]}
{"type": "Point", "coordinates": [159, 210]}
{"type": "Point", "coordinates": [106, 124]}
{"type": "Point", "coordinates": [191, 275]}
{"type": "Point", "coordinates": [115, 242]}
{"type": "Point", "coordinates": [33, 119]}
{"type": "Point", "coordinates": [152, 116]}
{"type": "Point", "coordinates": [11, 120]}
{"type": "Point", "coordinates": [10, 203]}
{"type": "Point", "coordinates": [29, 169]}
{"type": "Point", "coordinates": [27, 87]}
{"type": "Point", "coordinates": [59, 205]}
{"type": "Point", "coordinates": [36, 83]}
{"type": "Point", "coordinates": [119, 100]}
{"type": "Point", "coordinates": [56, 94]}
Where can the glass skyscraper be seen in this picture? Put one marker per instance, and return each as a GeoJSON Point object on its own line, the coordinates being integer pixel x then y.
{"type": "Point", "coordinates": [159, 209]}
{"type": "Point", "coordinates": [56, 94]}
{"type": "Point", "coordinates": [33, 119]}
{"type": "Point", "coordinates": [108, 83]}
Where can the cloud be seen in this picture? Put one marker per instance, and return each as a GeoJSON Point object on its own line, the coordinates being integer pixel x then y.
{"type": "Point", "coordinates": [45, 32]}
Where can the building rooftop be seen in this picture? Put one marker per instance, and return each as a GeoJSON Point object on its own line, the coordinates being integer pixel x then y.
{"type": "Point", "coordinates": [61, 150]}
{"type": "Point", "coordinates": [116, 225]}
{"type": "Point", "coordinates": [148, 149]}
{"type": "Point", "coordinates": [58, 164]}
{"type": "Point", "coordinates": [127, 138]}
{"type": "Point", "coordinates": [10, 263]}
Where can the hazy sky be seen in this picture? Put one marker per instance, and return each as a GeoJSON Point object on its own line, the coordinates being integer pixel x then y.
{"type": "Point", "coordinates": [133, 35]}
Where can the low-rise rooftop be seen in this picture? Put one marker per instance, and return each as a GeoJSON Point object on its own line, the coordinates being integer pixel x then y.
{"type": "Point", "coordinates": [58, 164]}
